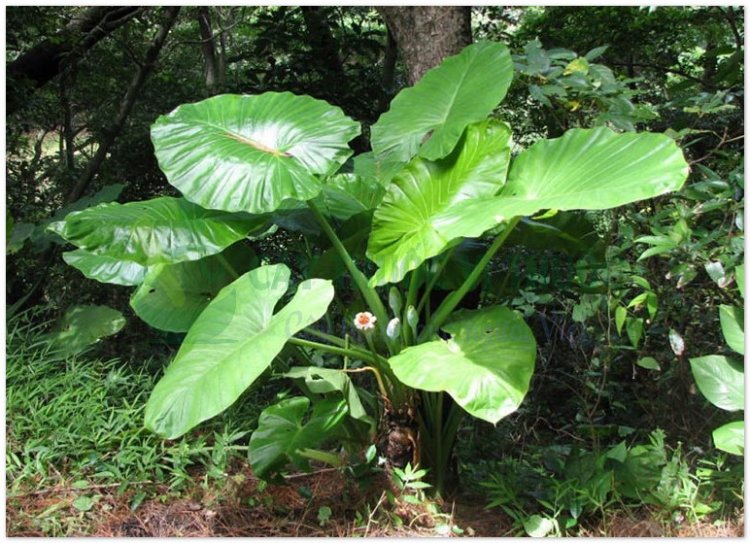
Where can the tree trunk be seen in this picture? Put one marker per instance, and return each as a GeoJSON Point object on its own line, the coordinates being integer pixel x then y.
{"type": "Point", "coordinates": [222, 53]}
{"type": "Point", "coordinates": [44, 61]}
{"type": "Point", "coordinates": [427, 34]}
{"type": "Point", "coordinates": [126, 105]}
{"type": "Point", "coordinates": [389, 70]}
{"type": "Point", "coordinates": [208, 48]}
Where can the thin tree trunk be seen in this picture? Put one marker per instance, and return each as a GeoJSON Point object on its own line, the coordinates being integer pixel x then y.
{"type": "Point", "coordinates": [389, 69]}
{"type": "Point", "coordinates": [731, 18]}
{"type": "Point", "coordinates": [67, 82]}
{"type": "Point", "coordinates": [222, 65]}
{"type": "Point", "coordinates": [427, 34]}
{"type": "Point", "coordinates": [126, 106]}
{"type": "Point", "coordinates": [226, 20]}
{"type": "Point", "coordinates": [208, 48]}
{"type": "Point", "coordinates": [44, 61]}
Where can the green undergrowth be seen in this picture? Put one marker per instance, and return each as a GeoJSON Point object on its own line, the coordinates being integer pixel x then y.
{"type": "Point", "coordinates": [81, 419]}
{"type": "Point", "coordinates": [562, 489]}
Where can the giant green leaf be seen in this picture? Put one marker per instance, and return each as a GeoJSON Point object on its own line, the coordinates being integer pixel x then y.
{"type": "Point", "coordinates": [159, 231]}
{"type": "Point", "coordinates": [731, 437]}
{"type": "Point", "coordinates": [282, 432]}
{"type": "Point", "coordinates": [106, 269]}
{"type": "Point", "coordinates": [721, 380]}
{"type": "Point", "coordinates": [250, 153]}
{"type": "Point", "coordinates": [570, 232]}
{"type": "Point", "coordinates": [732, 321]}
{"type": "Point", "coordinates": [173, 295]}
{"type": "Point", "coordinates": [327, 380]}
{"type": "Point", "coordinates": [739, 272]}
{"type": "Point", "coordinates": [230, 345]}
{"type": "Point", "coordinates": [41, 238]}
{"type": "Point", "coordinates": [462, 90]}
{"type": "Point", "coordinates": [81, 326]}
{"type": "Point", "coordinates": [403, 232]}
{"type": "Point", "coordinates": [366, 165]}
{"type": "Point", "coordinates": [486, 366]}
{"type": "Point", "coordinates": [583, 169]}
{"type": "Point", "coordinates": [345, 195]}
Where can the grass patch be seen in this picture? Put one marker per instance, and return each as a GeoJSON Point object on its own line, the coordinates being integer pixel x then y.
{"type": "Point", "coordinates": [81, 419]}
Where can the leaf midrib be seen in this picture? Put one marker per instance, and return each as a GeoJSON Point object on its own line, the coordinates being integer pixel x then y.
{"type": "Point", "coordinates": [245, 140]}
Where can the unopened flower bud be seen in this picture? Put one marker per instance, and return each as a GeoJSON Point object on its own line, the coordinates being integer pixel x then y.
{"type": "Point", "coordinates": [394, 300]}
{"type": "Point", "coordinates": [412, 317]}
{"type": "Point", "coordinates": [393, 330]}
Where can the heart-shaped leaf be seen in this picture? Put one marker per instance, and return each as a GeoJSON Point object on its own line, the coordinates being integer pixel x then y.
{"type": "Point", "coordinates": [463, 89]}
{"type": "Point", "coordinates": [731, 437]}
{"type": "Point", "coordinates": [41, 238]}
{"type": "Point", "coordinates": [159, 231]}
{"type": "Point", "coordinates": [250, 153]}
{"type": "Point", "coordinates": [486, 366]}
{"type": "Point", "coordinates": [583, 169]}
{"type": "Point", "coordinates": [327, 380]}
{"type": "Point", "coordinates": [403, 234]}
{"type": "Point", "coordinates": [720, 380]}
{"type": "Point", "coordinates": [366, 165]}
{"type": "Point", "coordinates": [173, 295]}
{"type": "Point", "coordinates": [739, 272]}
{"type": "Point", "coordinates": [230, 345]}
{"type": "Point", "coordinates": [570, 232]}
{"type": "Point", "coordinates": [732, 324]}
{"type": "Point", "coordinates": [106, 269]}
{"type": "Point", "coordinates": [81, 326]}
{"type": "Point", "coordinates": [282, 432]}
{"type": "Point", "coordinates": [346, 195]}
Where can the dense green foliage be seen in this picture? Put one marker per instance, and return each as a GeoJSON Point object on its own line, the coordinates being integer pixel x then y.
{"type": "Point", "coordinates": [254, 218]}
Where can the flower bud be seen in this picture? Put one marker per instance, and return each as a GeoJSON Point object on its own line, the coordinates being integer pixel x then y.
{"type": "Point", "coordinates": [394, 300]}
{"type": "Point", "coordinates": [412, 317]}
{"type": "Point", "coordinates": [393, 330]}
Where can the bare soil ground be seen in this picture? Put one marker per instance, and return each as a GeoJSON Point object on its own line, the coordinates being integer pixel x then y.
{"type": "Point", "coordinates": [243, 508]}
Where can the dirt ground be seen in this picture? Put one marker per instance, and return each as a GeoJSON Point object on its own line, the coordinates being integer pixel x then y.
{"type": "Point", "coordinates": [245, 507]}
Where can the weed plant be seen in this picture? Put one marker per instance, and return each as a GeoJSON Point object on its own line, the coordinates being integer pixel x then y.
{"type": "Point", "coordinates": [559, 489]}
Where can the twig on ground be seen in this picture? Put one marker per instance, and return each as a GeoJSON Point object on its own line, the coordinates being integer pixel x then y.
{"type": "Point", "coordinates": [372, 514]}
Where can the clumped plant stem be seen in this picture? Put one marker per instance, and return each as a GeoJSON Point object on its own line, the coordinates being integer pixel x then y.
{"type": "Point", "coordinates": [369, 293]}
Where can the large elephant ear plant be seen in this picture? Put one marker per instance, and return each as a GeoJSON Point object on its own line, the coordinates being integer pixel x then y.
{"type": "Point", "coordinates": [443, 168]}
